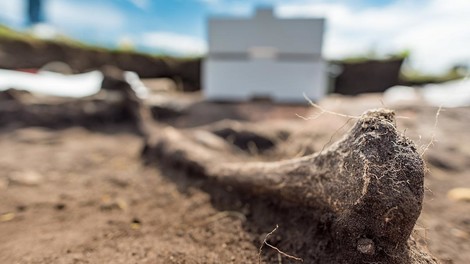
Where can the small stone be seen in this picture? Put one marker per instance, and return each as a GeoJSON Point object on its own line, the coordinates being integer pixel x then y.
{"type": "Point", "coordinates": [366, 246]}
{"type": "Point", "coordinates": [60, 206]}
{"type": "Point", "coordinates": [459, 233]}
{"type": "Point", "coordinates": [21, 208]}
{"type": "Point", "coordinates": [459, 194]}
{"type": "Point", "coordinates": [122, 204]}
{"type": "Point", "coordinates": [3, 183]}
{"type": "Point", "coordinates": [136, 224]}
{"type": "Point", "coordinates": [27, 178]}
{"type": "Point", "coordinates": [7, 217]}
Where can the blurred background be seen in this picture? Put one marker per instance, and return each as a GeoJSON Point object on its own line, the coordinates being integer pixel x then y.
{"type": "Point", "coordinates": [429, 35]}
{"type": "Point", "coordinates": [432, 32]}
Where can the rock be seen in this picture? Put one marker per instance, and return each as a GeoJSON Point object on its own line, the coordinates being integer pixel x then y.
{"type": "Point", "coordinates": [26, 178]}
{"type": "Point", "coordinates": [459, 194]}
{"type": "Point", "coordinates": [3, 183]}
{"type": "Point", "coordinates": [7, 217]}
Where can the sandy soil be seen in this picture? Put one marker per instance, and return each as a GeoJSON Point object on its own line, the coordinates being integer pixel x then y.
{"type": "Point", "coordinates": [82, 196]}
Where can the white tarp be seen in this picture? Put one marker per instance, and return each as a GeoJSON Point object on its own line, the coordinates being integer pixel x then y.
{"type": "Point", "coordinates": [449, 94]}
{"type": "Point", "coordinates": [57, 84]}
{"type": "Point", "coordinates": [50, 83]}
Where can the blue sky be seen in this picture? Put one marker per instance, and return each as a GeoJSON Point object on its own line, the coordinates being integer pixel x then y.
{"type": "Point", "coordinates": [435, 31]}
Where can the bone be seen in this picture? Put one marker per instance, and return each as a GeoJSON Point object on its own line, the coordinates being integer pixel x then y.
{"type": "Point", "coordinates": [371, 181]}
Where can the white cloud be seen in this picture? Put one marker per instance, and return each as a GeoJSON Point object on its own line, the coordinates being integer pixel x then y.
{"type": "Point", "coordinates": [434, 31]}
{"type": "Point", "coordinates": [74, 14]}
{"type": "Point", "coordinates": [142, 4]}
{"type": "Point", "coordinates": [173, 43]}
{"type": "Point", "coordinates": [12, 12]}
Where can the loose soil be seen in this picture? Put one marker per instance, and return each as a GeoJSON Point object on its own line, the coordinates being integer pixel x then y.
{"type": "Point", "coordinates": [73, 195]}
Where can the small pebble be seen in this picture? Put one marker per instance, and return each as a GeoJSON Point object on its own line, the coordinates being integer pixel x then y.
{"type": "Point", "coordinates": [366, 246]}
{"type": "Point", "coordinates": [459, 194]}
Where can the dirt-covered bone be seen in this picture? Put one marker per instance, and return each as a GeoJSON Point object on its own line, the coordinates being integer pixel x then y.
{"type": "Point", "coordinates": [371, 182]}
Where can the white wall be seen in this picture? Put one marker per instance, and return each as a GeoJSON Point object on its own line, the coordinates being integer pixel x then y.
{"type": "Point", "coordinates": [281, 81]}
{"type": "Point", "coordinates": [265, 57]}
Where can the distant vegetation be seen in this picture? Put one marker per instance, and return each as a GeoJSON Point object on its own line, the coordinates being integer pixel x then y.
{"type": "Point", "coordinates": [372, 55]}
{"type": "Point", "coordinates": [8, 33]}
{"type": "Point", "coordinates": [407, 76]}
{"type": "Point", "coordinates": [413, 77]}
{"type": "Point", "coordinates": [410, 76]}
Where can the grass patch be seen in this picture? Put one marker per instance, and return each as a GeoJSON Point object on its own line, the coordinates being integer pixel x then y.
{"type": "Point", "coordinates": [7, 33]}
{"type": "Point", "coordinates": [413, 77]}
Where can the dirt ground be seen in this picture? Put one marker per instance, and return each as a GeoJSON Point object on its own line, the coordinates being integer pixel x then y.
{"type": "Point", "coordinates": [82, 196]}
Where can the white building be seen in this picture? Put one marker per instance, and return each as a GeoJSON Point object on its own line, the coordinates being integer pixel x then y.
{"type": "Point", "coordinates": [263, 57]}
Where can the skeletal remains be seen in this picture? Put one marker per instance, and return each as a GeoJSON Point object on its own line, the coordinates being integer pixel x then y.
{"type": "Point", "coordinates": [370, 183]}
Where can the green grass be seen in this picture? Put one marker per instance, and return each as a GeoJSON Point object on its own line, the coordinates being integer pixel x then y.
{"type": "Point", "coordinates": [416, 78]}
{"type": "Point", "coordinates": [373, 56]}
{"type": "Point", "coordinates": [10, 34]}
